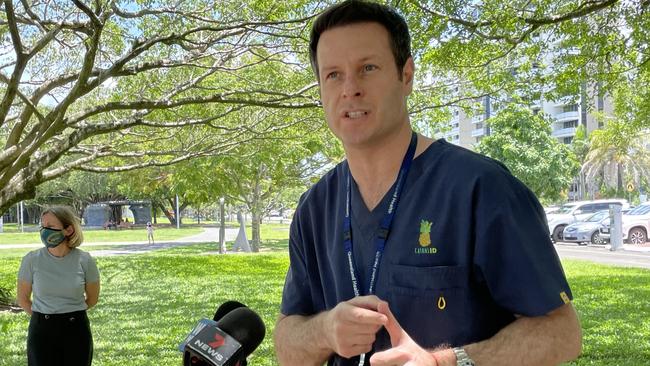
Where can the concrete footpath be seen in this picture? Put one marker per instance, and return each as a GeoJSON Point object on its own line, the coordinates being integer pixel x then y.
{"type": "Point", "coordinates": [629, 256]}
{"type": "Point", "coordinates": [209, 234]}
{"type": "Point", "coordinates": [626, 247]}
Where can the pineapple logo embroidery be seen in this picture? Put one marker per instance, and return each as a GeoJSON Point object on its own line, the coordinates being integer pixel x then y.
{"type": "Point", "coordinates": [425, 233]}
{"type": "Point", "coordinates": [425, 239]}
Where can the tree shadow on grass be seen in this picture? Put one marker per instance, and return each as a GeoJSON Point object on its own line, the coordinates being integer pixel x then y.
{"type": "Point", "coordinates": [130, 249]}
{"type": "Point", "coordinates": [275, 245]}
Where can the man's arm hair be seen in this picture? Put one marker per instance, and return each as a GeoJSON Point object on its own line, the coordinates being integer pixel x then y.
{"type": "Point", "coordinates": [299, 340]}
{"type": "Point", "coordinates": [545, 340]}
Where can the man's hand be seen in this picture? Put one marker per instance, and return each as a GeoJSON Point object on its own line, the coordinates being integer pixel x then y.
{"type": "Point", "coordinates": [404, 351]}
{"type": "Point", "coordinates": [351, 327]}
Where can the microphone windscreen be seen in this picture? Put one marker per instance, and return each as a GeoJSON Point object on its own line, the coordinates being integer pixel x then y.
{"type": "Point", "coordinates": [225, 308]}
{"type": "Point", "coordinates": [246, 327]}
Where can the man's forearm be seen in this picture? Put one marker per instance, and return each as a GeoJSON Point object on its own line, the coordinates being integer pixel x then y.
{"type": "Point", "coordinates": [545, 340]}
{"type": "Point", "coordinates": [299, 340]}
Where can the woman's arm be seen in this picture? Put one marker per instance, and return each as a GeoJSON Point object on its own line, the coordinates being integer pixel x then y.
{"type": "Point", "coordinates": [92, 294]}
{"type": "Point", "coordinates": [23, 296]}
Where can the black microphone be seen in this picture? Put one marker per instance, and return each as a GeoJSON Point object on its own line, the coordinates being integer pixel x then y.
{"type": "Point", "coordinates": [227, 342]}
{"type": "Point", "coordinates": [225, 308]}
{"type": "Point", "coordinates": [222, 310]}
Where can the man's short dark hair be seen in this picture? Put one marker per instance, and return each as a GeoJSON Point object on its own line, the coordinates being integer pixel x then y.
{"type": "Point", "coordinates": [356, 11]}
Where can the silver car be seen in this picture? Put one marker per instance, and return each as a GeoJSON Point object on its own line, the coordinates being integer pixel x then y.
{"type": "Point", "coordinates": [587, 231]}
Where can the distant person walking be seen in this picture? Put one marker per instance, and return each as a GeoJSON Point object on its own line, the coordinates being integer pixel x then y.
{"type": "Point", "coordinates": [56, 285]}
{"type": "Point", "coordinates": [150, 233]}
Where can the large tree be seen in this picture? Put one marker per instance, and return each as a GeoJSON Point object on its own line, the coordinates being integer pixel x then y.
{"type": "Point", "coordinates": [103, 87]}
{"type": "Point", "coordinates": [119, 85]}
{"type": "Point", "coordinates": [523, 142]}
{"type": "Point", "coordinates": [469, 50]}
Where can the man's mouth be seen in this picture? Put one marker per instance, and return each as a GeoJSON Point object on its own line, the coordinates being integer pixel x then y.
{"type": "Point", "coordinates": [355, 114]}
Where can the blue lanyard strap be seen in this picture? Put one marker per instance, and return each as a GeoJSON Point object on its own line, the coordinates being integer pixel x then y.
{"type": "Point", "coordinates": [385, 225]}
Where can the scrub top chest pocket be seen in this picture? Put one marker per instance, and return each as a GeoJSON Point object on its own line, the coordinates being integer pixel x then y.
{"type": "Point", "coordinates": [428, 300]}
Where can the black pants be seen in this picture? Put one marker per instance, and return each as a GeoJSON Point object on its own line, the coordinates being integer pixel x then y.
{"type": "Point", "coordinates": [59, 340]}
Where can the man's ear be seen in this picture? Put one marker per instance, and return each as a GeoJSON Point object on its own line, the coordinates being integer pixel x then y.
{"type": "Point", "coordinates": [68, 230]}
{"type": "Point", "coordinates": [408, 72]}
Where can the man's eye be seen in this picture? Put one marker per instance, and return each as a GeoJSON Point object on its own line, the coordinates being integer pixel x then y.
{"type": "Point", "coordinates": [369, 68]}
{"type": "Point", "coordinates": [333, 75]}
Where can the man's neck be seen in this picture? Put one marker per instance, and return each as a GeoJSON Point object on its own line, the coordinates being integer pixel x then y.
{"type": "Point", "coordinates": [375, 168]}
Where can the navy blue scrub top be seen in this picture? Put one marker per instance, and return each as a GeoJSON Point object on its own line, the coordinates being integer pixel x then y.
{"type": "Point", "coordinates": [469, 248]}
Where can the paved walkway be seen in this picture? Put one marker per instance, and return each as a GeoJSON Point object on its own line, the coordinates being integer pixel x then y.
{"type": "Point", "coordinates": [209, 234]}
{"type": "Point", "coordinates": [626, 247]}
{"type": "Point", "coordinates": [630, 256]}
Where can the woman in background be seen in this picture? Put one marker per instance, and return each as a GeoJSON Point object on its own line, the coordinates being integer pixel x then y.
{"type": "Point", "coordinates": [56, 285]}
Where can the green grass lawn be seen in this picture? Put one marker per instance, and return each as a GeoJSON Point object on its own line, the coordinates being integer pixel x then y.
{"type": "Point", "coordinates": [102, 236]}
{"type": "Point", "coordinates": [149, 302]}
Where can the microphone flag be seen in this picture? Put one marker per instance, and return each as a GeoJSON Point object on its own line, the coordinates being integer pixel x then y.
{"type": "Point", "coordinates": [213, 345]}
{"type": "Point", "coordinates": [199, 327]}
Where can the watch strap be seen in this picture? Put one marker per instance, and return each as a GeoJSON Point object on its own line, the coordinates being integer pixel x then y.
{"type": "Point", "coordinates": [462, 359]}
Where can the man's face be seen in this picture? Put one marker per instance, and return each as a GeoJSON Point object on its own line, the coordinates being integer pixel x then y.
{"type": "Point", "coordinates": [363, 97]}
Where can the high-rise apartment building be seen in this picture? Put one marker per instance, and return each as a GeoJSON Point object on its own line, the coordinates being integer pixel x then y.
{"type": "Point", "coordinates": [466, 129]}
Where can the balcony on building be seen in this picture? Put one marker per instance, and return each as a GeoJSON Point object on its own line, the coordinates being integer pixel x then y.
{"type": "Point", "coordinates": [566, 116]}
{"type": "Point", "coordinates": [564, 132]}
{"type": "Point", "coordinates": [478, 132]}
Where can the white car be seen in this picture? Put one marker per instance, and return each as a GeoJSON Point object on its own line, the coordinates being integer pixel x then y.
{"type": "Point", "coordinates": [583, 232]}
{"type": "Point", "coordinates": [636, 224]}
{"type": "Point", "coordinates": [572, 212]}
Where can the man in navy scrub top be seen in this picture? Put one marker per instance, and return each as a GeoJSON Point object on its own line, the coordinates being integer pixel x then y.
{"type": "Point", "coordinates": [412, 251]}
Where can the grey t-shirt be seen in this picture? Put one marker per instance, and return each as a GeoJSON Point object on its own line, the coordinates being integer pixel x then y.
{"type": "Point", "coordinates": [58, 284]}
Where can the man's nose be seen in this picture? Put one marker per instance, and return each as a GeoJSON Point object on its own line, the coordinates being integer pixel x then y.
{"type": "Point", "coordinates": [352, 86]}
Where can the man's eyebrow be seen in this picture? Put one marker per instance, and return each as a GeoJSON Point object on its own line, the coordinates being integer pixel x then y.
{"type": "Point", "coordinates": [328, 68]}
{"type": "Point", "coordinates": [371, 57]}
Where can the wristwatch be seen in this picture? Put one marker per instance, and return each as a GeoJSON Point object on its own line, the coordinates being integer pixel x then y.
{"type": "Point", "coordinates": [462, 359]}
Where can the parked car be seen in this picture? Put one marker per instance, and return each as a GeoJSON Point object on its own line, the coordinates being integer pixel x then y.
{"type": "Point", "coordinates": [588, 230]}
{"type": "Point", "coordinates": [575, 211]}
{"type": "Point", "coordinates": [551, 209]}
{"type": "Point", "coordinates": [635, 225]}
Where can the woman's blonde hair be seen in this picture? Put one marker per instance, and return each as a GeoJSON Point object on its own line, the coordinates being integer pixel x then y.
{"type": "Point", "coordinates": [67, 218]}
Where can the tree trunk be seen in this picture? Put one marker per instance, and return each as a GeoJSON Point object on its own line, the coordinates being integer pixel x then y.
{"type": "Point", "coordinates": [222, 229]}
{"type": "Point", "coordinates": [619, 177]}
{"type": "Point", "coordinates": [170, 216]}
{"type": "Point", "coordinates": [255, 228]}
{"type": "Point", "coordinates": [256, 210]}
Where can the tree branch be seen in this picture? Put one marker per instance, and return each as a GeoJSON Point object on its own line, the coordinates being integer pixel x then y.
{"type": "Point", "coordinates": [586, 8]}
{"type": "Point", "coordinates": [21, 62]}
{"type": "Point", "coordinates": [161, 104]}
